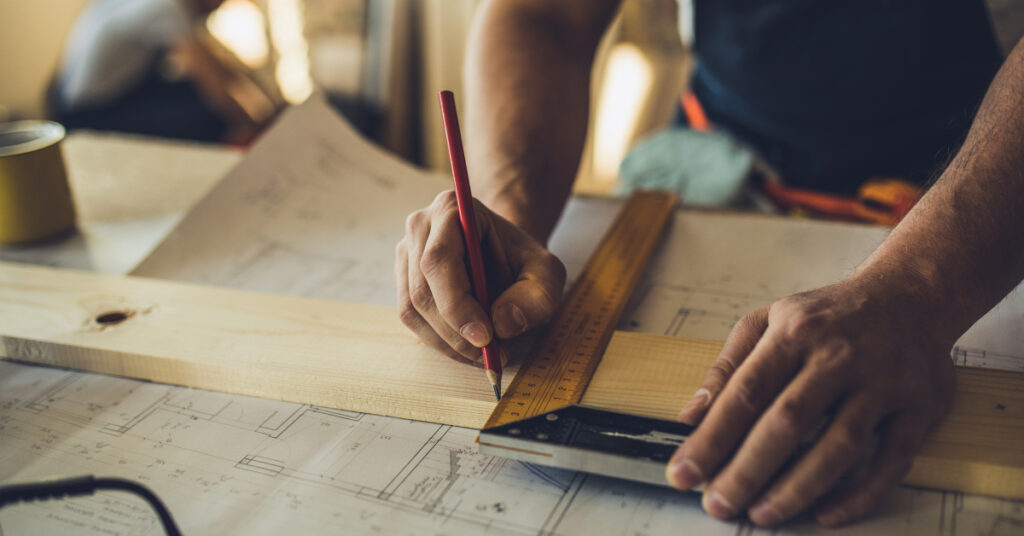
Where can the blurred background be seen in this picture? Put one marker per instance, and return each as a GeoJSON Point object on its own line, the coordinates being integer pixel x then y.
{"type": "Point", "coordinates": [380, 62]}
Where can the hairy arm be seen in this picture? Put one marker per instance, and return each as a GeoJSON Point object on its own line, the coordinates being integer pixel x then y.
{"type": "Point", "coordinates": [528, 81]}
{"type": "Point", "coordinates": [964, 242]}
{"type": "Point", "coordinates": [871, 351]}
{"type": "Point", "coordinates": [527, 77]}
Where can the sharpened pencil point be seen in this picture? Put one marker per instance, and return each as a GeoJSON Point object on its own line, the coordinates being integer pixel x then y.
{"type": "Point", "coordinates": [495, 378]}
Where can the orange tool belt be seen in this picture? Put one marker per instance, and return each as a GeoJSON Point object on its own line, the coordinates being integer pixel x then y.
{"type": "Point", "coordinates": [882, 201]}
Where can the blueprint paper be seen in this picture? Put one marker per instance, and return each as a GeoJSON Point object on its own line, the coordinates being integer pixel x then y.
{"type": "Point", "coordinates": [313, 210]}
{"type": "Point", "coordinates": [713, 268]}
{"type": "Point", "coordinates": [227, 464]}
{"type": "Point", "coordinates": [289, 221]}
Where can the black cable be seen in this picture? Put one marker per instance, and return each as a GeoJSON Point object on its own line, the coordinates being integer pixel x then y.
{"type": "Point", "coordinates": [85, 485]}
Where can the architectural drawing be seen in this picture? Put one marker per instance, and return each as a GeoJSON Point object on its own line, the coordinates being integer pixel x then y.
{"type": "Point", "coordinates": [684, 311]}
{"type": "Point", "coordinates": [227, 464]}
{"type": "Point", "coordinates": [324, 225]}
{"type": "Point", "coordinates": [715, 268]}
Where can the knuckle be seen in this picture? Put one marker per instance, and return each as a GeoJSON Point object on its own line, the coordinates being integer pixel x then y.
{"type": "Point", "coordinates": [847, 442]}
{"type": "Point", "coordinates": [803, 324]}
{"type": "Point", "coordinates": [409, 315]}
{"type": "Point", "coordinates": [760, 316]}
{"type": "Point", "coordinates": [414, 221]}
{"type": "Point", "coordinates": [421, 297]}
{"type": "Point", "coordinates": [717, 376]}
{"type": "Point", "coordinates": [435, 257]}
{"type": "Point", "coordinates": [446, 199]}
{"type": "Point", "coordinates": [791, 417]}
{"type": "Point", "coordinates": [749, 392]}
{"type": "Point", "coordinates": [721, 370]}
{"type": "Point", "coordinates": [749, 322]}
{"type": "Point", "coordinates": [463, 347]}
{"type": "Point", "coordinates": [837, 356]}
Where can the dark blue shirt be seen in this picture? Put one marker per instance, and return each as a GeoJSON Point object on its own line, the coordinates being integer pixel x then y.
{"type": "Point", "coordinates": [832, 92]}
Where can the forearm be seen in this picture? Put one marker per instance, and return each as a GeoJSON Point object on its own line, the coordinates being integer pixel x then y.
{"type": "Point", "coordinates": [962, 247]}
{"type": "Point", "coordinates": [527, 96]}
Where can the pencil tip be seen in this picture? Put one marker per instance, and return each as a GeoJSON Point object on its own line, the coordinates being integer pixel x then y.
{"type": "Point", "coordinates": [495, 378]}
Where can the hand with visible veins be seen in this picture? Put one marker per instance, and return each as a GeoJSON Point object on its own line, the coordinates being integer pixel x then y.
{"type": "Point", "coordinates": [853, 351]}
{"type": "Point", "coordinates": [871, 351]}
{"type": "Point", "coordinates": [435, 297]}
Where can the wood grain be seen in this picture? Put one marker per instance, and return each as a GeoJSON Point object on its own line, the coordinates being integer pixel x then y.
{"type": "Point", "coordinates": [977, 448]}
{"type": "Point", "coordinates": [361, 358]}
{"type": "Point", "coordinates": [651, 375]}
{"type": "Point", "coordinates": [342, 355]}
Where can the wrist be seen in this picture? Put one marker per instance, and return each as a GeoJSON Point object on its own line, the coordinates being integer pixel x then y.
{"type": "Point", "coordinates": [917, 295]}
{"type": "Point", "coordinates": [512, 198]}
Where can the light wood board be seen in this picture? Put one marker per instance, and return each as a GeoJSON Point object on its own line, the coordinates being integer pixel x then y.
{"type": "Point", "coordinates": [361, 358]}
{"type": "Point", "coordinates": [329, 353]}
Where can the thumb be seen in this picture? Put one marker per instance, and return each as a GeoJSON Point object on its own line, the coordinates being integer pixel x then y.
{"type": "Point", "coordinates": [532, 299]}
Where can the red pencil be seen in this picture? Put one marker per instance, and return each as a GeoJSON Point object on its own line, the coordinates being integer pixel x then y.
{"type": "Point", "coordinates": [470, 235]}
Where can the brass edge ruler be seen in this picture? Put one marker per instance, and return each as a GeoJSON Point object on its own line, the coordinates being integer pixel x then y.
{"type": "Point", "coordinates": [562, 362]}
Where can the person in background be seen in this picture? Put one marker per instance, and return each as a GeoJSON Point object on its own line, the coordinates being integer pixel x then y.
{"type": "Point", "coordinates": [139, 66]}
{"type": "Point", "coordinates": [831, 94]}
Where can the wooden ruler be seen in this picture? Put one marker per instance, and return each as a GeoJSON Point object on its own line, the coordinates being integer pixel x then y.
{"type": "Point", "coordinates": [562, 362]}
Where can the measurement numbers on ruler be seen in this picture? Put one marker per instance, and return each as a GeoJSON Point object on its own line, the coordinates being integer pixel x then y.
{"type": "Point", "coordinates": [564, 359]}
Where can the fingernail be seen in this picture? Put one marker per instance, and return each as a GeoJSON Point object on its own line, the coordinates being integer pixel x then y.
{"type": "Point", "coordinates": [509, 321]}
{"type": "Point", "coordinates": [684, 474]}
{"type": "Point", "coordinates": [763, 513]}
{"type": "Point", "coordinates": [700, 400]}
{"type": "Point", "coordinates": [716, 505]}
{"type": "Point", "coordinates": [476, 333]}
{"type": "Point", "coordinates": [832, 518]}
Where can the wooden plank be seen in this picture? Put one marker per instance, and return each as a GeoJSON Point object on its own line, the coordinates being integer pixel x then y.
{"type": "Point", "coordinates": [651, 375]}
{"type": "Point", "coordinates": [361, 358]}
{"type": "Point", "coordinates": [342, 355]}
{"type": "Point", "coordinates": [977, 448]}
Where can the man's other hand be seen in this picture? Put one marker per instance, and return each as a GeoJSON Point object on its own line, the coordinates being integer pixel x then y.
{"type": "Point", "coordinates": [856, 355]}
{"type": "Point", "coordinates": [435, 297]}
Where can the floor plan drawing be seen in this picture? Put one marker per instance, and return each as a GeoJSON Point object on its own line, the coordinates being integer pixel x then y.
{"type": "Point", "coordinates": [683, 311]}
{"type": "Point", "coordinates": [227, 464]}
{"type": "Point", "coordinates": [687, 311]}
{"type": "Point", "coordinates": [715, 268]}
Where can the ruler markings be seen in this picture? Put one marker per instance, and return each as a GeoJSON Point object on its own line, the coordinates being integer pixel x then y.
{"type": "Point", "coordinates": [564, 359]}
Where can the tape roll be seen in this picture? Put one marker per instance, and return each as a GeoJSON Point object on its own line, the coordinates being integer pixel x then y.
{"type": "Point", "coordinates": [35, 200]}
